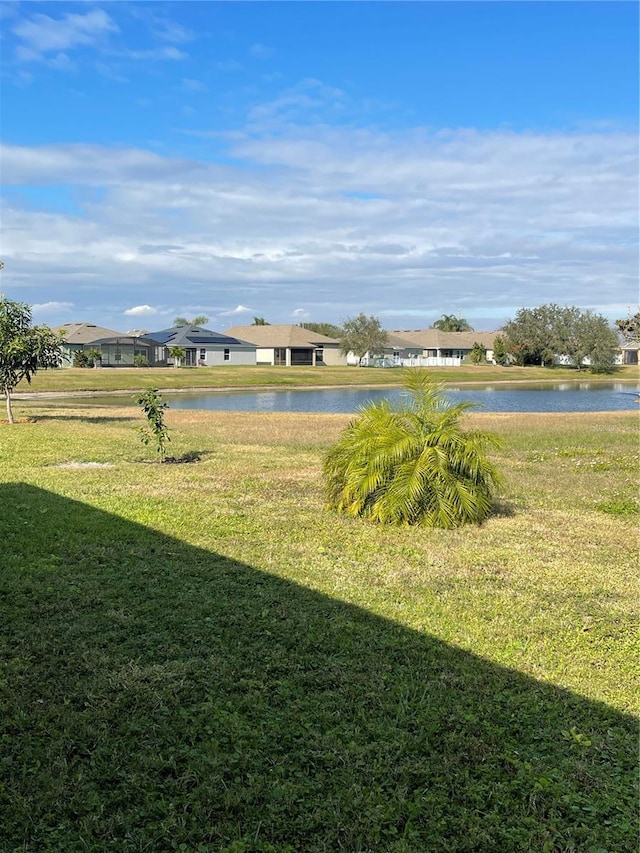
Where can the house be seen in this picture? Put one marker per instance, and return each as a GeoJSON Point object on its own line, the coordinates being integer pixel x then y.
{"type": "Point", "coordinates": [130, 351]}
{"type": "Point", "coordinates": [428, 348]}
{"type": "Point", "coordinates": [80, 337]}
{"type": "Point", "coordinates": [204, 348]}
{"type": "Point", "coordinates": [628, 353]}
{"type": "Point", "coordinates": [290, 345]}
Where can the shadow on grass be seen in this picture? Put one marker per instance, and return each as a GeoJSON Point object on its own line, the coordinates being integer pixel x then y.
{"type": "Point", "coordinates": [161, 697]}
{"type": "Point", "coordinates": [92, 419]}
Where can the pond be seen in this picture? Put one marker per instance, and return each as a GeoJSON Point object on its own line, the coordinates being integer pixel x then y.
{"type": "Point", "coordinates": [539, 397]}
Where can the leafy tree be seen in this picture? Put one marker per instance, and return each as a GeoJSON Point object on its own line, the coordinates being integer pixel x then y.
{"type": "Point", "coordinates": [200, 320]}
{"type": "Point", "coordinates": [478, 353]}
{"type": "Point", "coordinates": [327, 329]}
{"type": "Point", "coordinates": [24, 348]}
{"type": "Point", "coordinates": [500, 350]}
{"type": "Point", "coordinates": [540, 335]}
{"type": "Point", "coordinates": [177, 354]}
{"type": "Point", "coordinates": [361, 335]}
{"type": "Point", "coordinates": [451, 323]}
{"type": "Point", "coordinates": [412, 463]}
{"type": "Point", "coordinates": [260, 321]}
{"type": "Point", "coordinates": [80, 358]}
{"type": "Point", "coordinates": [630, 328]}
{"type": "Point", "coordinates": [156, 431]}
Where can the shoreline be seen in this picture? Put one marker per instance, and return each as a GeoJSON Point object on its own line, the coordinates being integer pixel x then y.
{"type": "Point", "coordinates": [23, 396]}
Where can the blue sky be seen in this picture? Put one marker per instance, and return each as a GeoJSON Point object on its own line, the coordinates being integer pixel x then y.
{"type": "Point", "coordinates": [308, 161]}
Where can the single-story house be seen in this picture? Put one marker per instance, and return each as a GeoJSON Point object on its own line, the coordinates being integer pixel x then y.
{"type": "Point", "coordinates": [125, 350]}
{"type": "Point", "coordinates": [204, 348]}
{"type": "Point", "coordinates": [80, 337]}
{"type": "Point", "coordinates": [628, 353]}
{"type": "Point", "coordinates": [290, 345]}
{"type": "Point", "coordinates": [428, 348]}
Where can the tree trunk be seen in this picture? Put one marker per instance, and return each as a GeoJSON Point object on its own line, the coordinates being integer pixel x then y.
{"type": "Point", "coordinates": [9, 412]}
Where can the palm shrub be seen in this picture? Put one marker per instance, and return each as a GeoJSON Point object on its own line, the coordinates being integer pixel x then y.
{"type": "Point", "coordinates": [413, 463]}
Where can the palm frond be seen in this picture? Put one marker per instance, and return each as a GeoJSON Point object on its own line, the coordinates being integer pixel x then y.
{"type": "Point", "coordinates": [412, 463]}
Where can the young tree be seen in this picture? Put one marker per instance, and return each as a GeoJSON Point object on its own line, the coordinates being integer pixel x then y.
{"type": "Point", "coordinates": [260, 321]}
{"type": "Point", "coordinates": [156, 431]}
{"type": "Point", "coordinates": [451, 323]}
{"type": "Point", "coordinates": [478, 353]}
{"type": "Point", "coordinates": [361, 335]}
{"type": "Point", "coordinates": [500, 350]}
{"type": "Point", "coordinates": [95, 356]}
{"type": "Point", "coordinates": [177, 354]}
{"type": "Point", "coordinates": [24, 348]}
{"type": "Point", "coordinates": [412, 463]}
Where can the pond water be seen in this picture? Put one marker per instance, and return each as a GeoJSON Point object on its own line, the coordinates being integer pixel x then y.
{"type": "Point", "coordinates": [541, 397]}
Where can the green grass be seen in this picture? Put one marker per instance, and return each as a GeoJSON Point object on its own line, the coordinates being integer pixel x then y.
{"type": "Point", "coordinates": [131, 379]}
{"type": "Point", "coordinates": [201, 658]}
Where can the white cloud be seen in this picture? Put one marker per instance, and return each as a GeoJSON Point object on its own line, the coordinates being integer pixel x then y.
{"type": "Point", "coordinates": [141, 311]}
{"type": "Point", "coordinates": [405, 224]}
{"type": "Point", "coordinates": [50, 307]}
{"type": "Point", "coordinates": [152, 53]}
{"type": "Point", "coordinates": [239, 309]}
{"type": "Point", "coordinates": [300, 314]}
{"type": "Point", "coordinates": [41, 34]}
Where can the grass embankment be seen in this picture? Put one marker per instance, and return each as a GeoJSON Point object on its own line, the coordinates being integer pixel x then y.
{"type": "Point", "coordinates": [125, 379]}
{"type": "Point", "coordinates": [201, 658]}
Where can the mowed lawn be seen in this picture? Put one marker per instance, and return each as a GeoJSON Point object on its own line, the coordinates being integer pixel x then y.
{"type": "Point", "coordinates": [127, 379]}
{"type": "Point", "coordinates": [200, 657]}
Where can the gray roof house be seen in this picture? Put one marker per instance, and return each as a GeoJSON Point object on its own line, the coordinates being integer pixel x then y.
{"type": "Point", "coordinates": [204, 348]}
{"type": "Point", "coordinates": [290, 345]}
{"type": "Point", "coordinates": [80, 337]}
{"type": "Point", "coordinates": [130, 351]}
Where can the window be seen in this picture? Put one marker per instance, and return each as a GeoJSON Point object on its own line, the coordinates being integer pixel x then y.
{"type": "Point", "coordinates": [320, 355]}
{"type": "Point", "coordinates": [203, 354]}
{"type": "Point", "coordinates": [280, 355]}
{"type": "Point", "coordinates": [226, 355]}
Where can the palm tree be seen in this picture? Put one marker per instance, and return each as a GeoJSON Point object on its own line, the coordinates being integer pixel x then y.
{"type": "Point", "coordinates": [260, 321]}
{"type": "Point", "coordinates": [412, 463]}
{"type": "Point", "coordinates": [451, 323]}
{"type": "Point", "coordinates": [177, 354]}
{"type": "Point", "coordinates": [200, 320]}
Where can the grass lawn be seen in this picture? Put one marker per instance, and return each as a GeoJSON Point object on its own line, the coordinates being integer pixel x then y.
{"type": "Point", "coordinates": [200, 657]}
{"type": "Point", "coordinates": [125, 379]}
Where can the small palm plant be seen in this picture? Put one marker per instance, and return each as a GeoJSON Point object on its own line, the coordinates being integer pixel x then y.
{"type": "Point", "coordinates": [413, 463]}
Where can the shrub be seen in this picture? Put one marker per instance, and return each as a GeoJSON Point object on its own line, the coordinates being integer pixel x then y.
{"type": "Point", "coordinates": [412, 463]}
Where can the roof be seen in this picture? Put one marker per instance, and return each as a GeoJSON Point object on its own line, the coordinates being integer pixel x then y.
{"type": "Point", "coordinates": [185, 336]}
{"type": "Point", "coordinates": [435, 339]}
{"type": "Point", "coordinates": [84, 333]}
{"type": "Point", "coordinates": [127, 340]}
{"type": "Point", "coordinates": [281, 335]}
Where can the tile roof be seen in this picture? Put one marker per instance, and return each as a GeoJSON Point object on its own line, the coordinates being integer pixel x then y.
{"type": "Point", "coordinates": [281, 335]}
{"type": "Point", "coordinates": [84, 333]}
{"type": "Point", "coordinates": [435, 339]}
